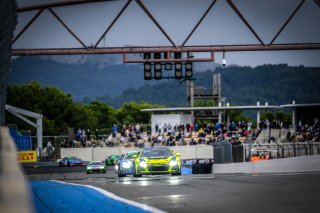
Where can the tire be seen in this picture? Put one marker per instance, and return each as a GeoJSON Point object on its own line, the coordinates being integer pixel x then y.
{"type": "Point", "coordinates": [120, 175]}
{"type": "Point", "coordinates": [177, 173]}
{"type": "Point", "coordinates": [135, 173]}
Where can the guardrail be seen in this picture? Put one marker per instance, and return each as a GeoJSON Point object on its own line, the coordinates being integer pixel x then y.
{"type": "Point", "coordinates": [14, 193]}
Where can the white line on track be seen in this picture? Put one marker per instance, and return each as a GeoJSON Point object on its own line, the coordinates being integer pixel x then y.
{"type": "Point", "coordinates": [116, 197]}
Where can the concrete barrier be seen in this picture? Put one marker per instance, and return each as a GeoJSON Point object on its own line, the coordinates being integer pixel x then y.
{"type": "Point", "coordinates": [283, 165]}
{"type": "Point", "coordinates": [97, 153]}
{"type": "Point", "coordinates": [14, 192]}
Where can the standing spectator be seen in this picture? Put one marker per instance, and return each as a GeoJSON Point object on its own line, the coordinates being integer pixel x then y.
{"type": "Point", "coordinates": [165, 127]}
{"type": "Point", "coordinates": [217, 126]}
{"type": "Point", "coordinates": [88, 134]}
{"type": "Point", "coordinates": [83, 138]}
{"type": "Point", "coordinates": [196, 127]}
{"type": "Point", "coordinates": [79, 134]}
{"type": "Point", "coordinates": [49, 151]}
{"type": "Point", "coordinates": [97, 134]}
{"type": "Point", "coordinates": [191, 127]}
{"type": "Point", "coordinates": [114, 130]}
{"type": "Point", "coordinates": [137, 127]}
{"type": "Point", "coordinates": [169, 128]}
{"type": "Point", "coordinates": [188, 127]}
{"type": "Point", "coordinates": [157, 127]}
{"type": "Point", "coordinates": [249, 125]}
{"type": "Point", "coordinates": [148, 130]}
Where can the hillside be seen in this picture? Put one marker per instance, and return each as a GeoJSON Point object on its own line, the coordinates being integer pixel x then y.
{"type": "Point", "coordinates": [89, 79]}
{"type": "Point", "coordinates": [115, 83]}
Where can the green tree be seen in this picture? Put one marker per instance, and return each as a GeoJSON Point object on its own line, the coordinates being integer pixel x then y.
{"type": "Point", "coordinates": [105, 114]}
{"type": "Point", "coordinates": [83, 117]}
{"type": "Point", "coordinates": [131, 113]}
{"type": "Point", "coordinates": [58, 109]}
{"type": "Point", "coordinates": [267, 115]}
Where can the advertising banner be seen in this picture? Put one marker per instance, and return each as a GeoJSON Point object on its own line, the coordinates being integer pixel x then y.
{"type": "Point", "coordinates": [27, 156]}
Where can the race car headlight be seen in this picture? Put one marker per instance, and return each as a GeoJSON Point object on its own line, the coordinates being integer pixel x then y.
{"type": "Point", "coordinates": [143, 164]}
{"type": "Point", "coordinates": [116, 167]}
{"type": "Point", "coordinates": [127, 164]}
{"type": "Point", "coordinates": [101, 167]}
{"type": "Point", "coordinates": [173, 163]}
{"type": "Point", "coordinates": [88, 167]}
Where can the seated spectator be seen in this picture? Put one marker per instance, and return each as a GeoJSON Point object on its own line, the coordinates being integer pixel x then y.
{"type": "Point", "coordinates": [192, 142]}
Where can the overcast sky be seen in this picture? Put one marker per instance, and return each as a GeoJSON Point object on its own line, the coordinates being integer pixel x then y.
{"type": "Point", "coordinates": [177, 17]}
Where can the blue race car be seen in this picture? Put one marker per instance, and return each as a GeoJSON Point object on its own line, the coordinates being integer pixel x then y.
{"type": "Point", "coordinates": [70, 161]}
{"type": "Point", "coordinates": [125, 164]}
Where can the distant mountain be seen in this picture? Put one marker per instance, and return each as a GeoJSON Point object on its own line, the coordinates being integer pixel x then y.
{"type": "Point", "coordinates": [275, 84]}
{"type": "Point", "coordinates": [89, 78]}
{"type": "Point", "coordinates": [114, 83]}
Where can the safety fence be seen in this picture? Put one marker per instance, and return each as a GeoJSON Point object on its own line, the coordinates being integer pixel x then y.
{"type": "Point", "coordinates": [225, 152]}
{"type": "Point", "coordinates": [283, 149]}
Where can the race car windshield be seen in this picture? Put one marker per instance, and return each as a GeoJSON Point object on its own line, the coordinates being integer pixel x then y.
{"type": "Point", "coordinates": [156, 153]}
{"type": "Point", "coordinates": [95, 163]}
{"type": "Point", "coordinates": [129, 155]}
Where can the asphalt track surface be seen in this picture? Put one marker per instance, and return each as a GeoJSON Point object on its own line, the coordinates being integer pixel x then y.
{"type": "Point", "coordinates": [294, 192]}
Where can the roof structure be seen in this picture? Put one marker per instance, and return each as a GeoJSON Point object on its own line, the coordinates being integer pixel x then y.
{"type": "Point", "coordinates": [248, 107]}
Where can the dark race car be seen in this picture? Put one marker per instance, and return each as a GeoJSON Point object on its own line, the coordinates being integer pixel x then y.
{"type": "Point", "coordinates": [200, 166]}
{"type": "Point", "coordinates": [71, 161]}
{"type": "Point", "coordinates": [125, 164]}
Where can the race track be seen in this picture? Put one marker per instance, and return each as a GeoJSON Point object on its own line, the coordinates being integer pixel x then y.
{"type": "Point", "coordinates": [294, 192]}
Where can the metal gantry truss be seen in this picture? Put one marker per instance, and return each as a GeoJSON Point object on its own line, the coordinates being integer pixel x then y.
{"type": "Point", "coordinates": [94, 49]}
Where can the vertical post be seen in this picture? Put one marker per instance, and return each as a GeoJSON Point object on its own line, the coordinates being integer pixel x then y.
{"type": "Point", "coordinates": [219, 114]}
{"type": "Point", "coordinates": [91, 153]}
{"type": "Point", "coordinates": [219, 87]}
{"type": "Point", "coordinates": [228, 117]}
{"type": "Point", "coordinates": [294, 116]}
{"type": "Point", "coordinates": [258, 116]}
{"type": "Point", "coordinates": [39, 138]}
{"type": "Point", "coordinates": [39, 133]}
{"type": "Point", "coordinates": [192, 99]}
{"type": "Point", "coordinates": [244, 152]}
{"type": "Point", "coordinates": [250, 146]}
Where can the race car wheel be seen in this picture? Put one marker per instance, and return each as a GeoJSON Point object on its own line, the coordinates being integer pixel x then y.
{"type": "Point", "coordinates": [176, 174]}
{"type": "Point", "coordinates": [121, 175]}
{"type": "Point", "coordinates": [135, 173]}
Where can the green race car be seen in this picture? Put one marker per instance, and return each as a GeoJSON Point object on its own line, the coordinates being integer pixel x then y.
{"type": "Point", "coordinates": [112, 160]}
{"type": "Point", "coordinates": [152, 161]}
{"type": "Point", "coordinates": [96, 166]}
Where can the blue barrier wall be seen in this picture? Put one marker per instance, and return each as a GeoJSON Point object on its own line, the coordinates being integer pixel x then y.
{"type": "Point", "coordinates": [23, 142]}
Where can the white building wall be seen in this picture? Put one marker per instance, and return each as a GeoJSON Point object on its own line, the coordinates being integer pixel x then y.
{"type": "Point", "coordinates": [173, 119]}
{"type": "Point", "coordinates": [89, 154]}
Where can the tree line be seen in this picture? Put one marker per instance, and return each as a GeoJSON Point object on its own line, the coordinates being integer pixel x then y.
{"type": "Point", "coordinates": [60, 111]}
